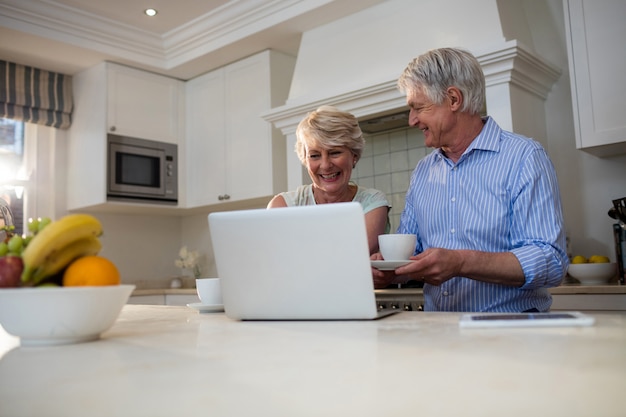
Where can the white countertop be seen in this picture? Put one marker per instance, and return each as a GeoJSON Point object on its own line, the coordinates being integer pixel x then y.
{"type": "Point", "coordinates": [174, 361]}
{"type": "Point", "coordinates": [562, 289]}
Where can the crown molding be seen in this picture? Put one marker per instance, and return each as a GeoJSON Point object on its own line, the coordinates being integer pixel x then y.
{"type": "Point", "coordinates": [508, 63]}
{"type": "Point", "coordinates": [229, 24]}
{"type": "Point", "coordinates": [75, 27]}
{"type": "Point", "coordinates": [513, 63]}
{"type": "Point", "coordinates": [233, 22]}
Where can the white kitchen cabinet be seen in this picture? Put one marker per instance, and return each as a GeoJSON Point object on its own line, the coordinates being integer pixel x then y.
{"type": "Point", "coordinates": [589, 302]}
{"type": "Point", "coordinates": [232, 153]}
{"type": "Point", "coordinates": [164, 299]}
{"type": "Point", "coordinates": [110, 98]}
{"type": "Point", "coordinates": [153, 300]}
{"type": "Point", "coordinates": [597, 65]}
{"type": "Point", "coordinates": [144, 105]}
{"type": "Point", "coordinates": [205, 139]}
{"type": "Point", "coordinates": [180, 299]}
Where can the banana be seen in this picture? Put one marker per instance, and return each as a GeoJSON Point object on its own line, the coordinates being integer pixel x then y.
{"type": "Point", "coordinates": [54, 237]}
{"type": "Point", "coordinates": [58, 260]}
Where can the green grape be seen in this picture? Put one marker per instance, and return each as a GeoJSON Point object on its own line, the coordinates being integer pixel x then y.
{"type": "Point", "coordinates": [9, 229]}
{"type": "Point", "coordinates": [4, 248]}
{"type": "Point", "coordinates": [15, 244]}
{"type": "Point", "coordinates": [27, 240]}
{"type": "Point", "coordinates": [43, 222]}
{"type": "Point", "coordinates": [33, 225]}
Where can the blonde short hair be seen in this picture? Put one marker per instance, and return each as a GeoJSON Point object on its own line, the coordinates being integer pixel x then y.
{"type": "Point", "coordinates": [329, 127]}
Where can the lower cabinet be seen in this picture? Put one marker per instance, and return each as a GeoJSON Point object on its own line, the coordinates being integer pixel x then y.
{"type": "Point", "coordinates": [164, 299]}
{"type": "Point", "coordinates": [589, 302]}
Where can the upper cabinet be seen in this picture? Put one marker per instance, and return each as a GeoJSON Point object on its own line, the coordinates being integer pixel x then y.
{"type": "Point", "coordinates": [144, 105]}
{"type": "Point", "coordinates": [597, 65]}
{"type": "Point", "coordinates": [232, 153]}
{"type": "Point", "coordinates": [111, 98]}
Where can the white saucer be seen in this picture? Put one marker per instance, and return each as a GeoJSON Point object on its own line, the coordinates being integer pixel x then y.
{"type": "Point", "coordinates": [389, 265]}
{"type": "Point", "coordinates": [207, 308]}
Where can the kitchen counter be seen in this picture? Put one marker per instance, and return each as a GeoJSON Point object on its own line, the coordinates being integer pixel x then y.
{"type": "Point", "coordinates": [564, 297]}
{"type": "Point", "coordinates": [164, 291]}
{"type": "Point", "coordinates": [563, 289]}
{"type": "Point", "coordinates": [588, 289]}
{"type": "Point", "coordinates": [165, 361]}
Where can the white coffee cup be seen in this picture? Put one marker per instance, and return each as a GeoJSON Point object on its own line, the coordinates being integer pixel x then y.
{"type": "Point", "coordinates": [209, 290]}
{"type": "Point", "coordinates": [397, 247]}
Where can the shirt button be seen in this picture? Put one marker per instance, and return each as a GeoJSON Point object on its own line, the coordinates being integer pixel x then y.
{"type": "Point", "coordinates": [445, 293]}
{"type": "Point", "coordinates": [453, 199]}
{"type": "Point", "coordinates": [452, 230]}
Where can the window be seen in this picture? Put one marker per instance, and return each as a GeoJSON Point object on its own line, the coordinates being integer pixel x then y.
{"type": "Point", "coordinates": [32, 171]}
{"type": "Point", "coordinates": [12, 171]}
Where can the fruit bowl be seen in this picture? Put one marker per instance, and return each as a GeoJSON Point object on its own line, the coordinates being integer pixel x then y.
{"type": "Point", "coordinates": [593, 273]}
{"type": "Point", "coordinates": [47, 316]}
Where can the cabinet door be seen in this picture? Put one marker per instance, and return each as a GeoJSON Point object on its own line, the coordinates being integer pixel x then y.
{"type": "Point", "coordinates": [597, 68]}
{"type": "Point", "coordinates": [180, 299]}
{"type": "Point", "coordinates": [158, 300]}
{"type": "Point", "coordinates": [144, 105]}
{"type": "Point", "coordinates": [249, 147]}
{"type": "Point", "coordinates": [86, 145]}
{"type": "Point", "coordinates": [206, 155]}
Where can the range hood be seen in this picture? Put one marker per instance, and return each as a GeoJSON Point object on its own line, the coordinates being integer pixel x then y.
{"type": "Point", "coordinates": [385, 123]}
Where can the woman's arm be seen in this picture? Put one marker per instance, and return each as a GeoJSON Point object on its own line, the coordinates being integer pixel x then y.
{"type": "Point", "coordinates": [375, 223]}
{"type": "Point", "coordinates": [277, 201]}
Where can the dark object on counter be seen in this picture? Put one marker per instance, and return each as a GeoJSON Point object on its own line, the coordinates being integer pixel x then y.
{"type": "Point", "coordinates": [618, 211]}
{"type": "Point", "coordinates": [619, 232]}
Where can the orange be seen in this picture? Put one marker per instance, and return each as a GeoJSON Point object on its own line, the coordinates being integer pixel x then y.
{"type": "Point", "coordinates": [91, 270]}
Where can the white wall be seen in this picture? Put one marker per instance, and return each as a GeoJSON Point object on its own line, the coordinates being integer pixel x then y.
{"type": "Point", "coordinates": [144, 247]}
{"type": "Point", "coordinates": [375, 45]}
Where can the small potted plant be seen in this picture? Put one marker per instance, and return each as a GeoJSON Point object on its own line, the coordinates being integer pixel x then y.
{"type": "Point", "coordinates": [187, 260]}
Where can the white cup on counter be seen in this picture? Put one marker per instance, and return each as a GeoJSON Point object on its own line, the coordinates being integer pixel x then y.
{"type": "Point", "coordinates": [397, 246]}
{"type": "Point", "coordinates": [209, 290]}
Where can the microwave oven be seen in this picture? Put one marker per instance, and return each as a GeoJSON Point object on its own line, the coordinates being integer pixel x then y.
{"type": "Point", "coordinates": [141, 170]}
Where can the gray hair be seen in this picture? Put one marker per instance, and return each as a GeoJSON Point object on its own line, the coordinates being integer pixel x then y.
{"type": "Point", "coordinates": [329, 127]}
{"type": "Point", "coordinates": [435, 71]}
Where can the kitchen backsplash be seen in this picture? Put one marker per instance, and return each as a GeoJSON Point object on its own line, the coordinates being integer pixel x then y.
{"type": "Point", "coordinates": [387, 163]}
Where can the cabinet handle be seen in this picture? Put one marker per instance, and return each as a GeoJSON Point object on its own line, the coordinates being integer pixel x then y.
{"type": "Point", "coordinates": [226, 197]}
{"type": "Point", "coordinates": [112, 129]}
{"type": "Point", "coordinates": [223, 197]}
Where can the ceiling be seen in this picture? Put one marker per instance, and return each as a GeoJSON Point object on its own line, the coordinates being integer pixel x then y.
{"type": "Point", "coordinates": [186, 38]}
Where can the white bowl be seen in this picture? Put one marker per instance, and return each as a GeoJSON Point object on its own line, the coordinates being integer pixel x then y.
{"type": "Point", "coordinates": [61, 315]}
{"type": "Point", "coordinates": [593, 273]}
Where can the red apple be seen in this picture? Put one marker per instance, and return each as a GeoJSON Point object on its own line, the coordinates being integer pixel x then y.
{"type": "Point", "coordinates": [10, 271]}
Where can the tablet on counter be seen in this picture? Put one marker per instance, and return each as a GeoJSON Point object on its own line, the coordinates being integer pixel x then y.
{"type": "Point", "coordinates": [557, 319]}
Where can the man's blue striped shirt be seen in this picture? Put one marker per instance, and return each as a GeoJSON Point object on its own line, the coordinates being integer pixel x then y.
{"type": "Point", "coordinates": [502, 195]}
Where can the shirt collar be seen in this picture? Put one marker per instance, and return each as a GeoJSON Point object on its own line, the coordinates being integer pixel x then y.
{"type": "Point", "coordinates": [487, 140]}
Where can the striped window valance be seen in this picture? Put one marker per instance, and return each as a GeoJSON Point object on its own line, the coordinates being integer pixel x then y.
{"type": "Point", "coordinates": [37, 96]}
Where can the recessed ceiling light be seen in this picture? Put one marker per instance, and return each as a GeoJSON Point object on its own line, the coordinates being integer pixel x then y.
{"type": "Point", "coordinates": [150, 12]}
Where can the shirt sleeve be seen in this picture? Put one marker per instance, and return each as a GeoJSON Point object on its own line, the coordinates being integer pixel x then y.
{"type": "Point", "coordinates": [371, 199]}
{"type": "Point", "coordinates": [537, 234]}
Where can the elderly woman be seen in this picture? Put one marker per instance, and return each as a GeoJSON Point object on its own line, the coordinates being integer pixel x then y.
{"type": "Point", "coordinates": [329, 144]}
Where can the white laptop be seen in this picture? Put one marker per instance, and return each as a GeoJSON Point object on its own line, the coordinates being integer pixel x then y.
{"type": "Point", "coordinates": [295, 263]}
